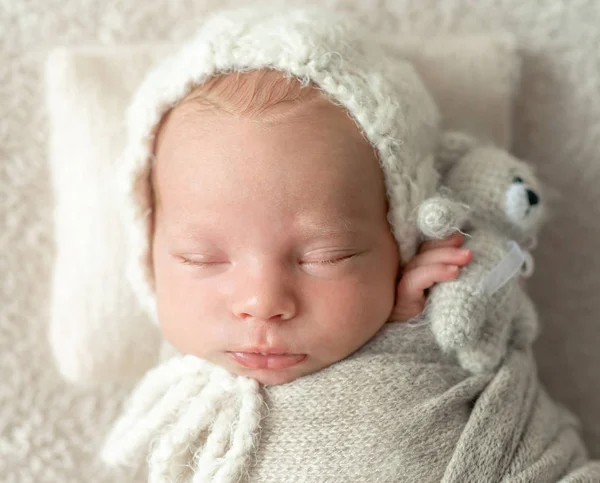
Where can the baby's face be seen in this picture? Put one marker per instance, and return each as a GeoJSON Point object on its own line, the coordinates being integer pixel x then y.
{"type": "Point", "coordinates": [270, 236]}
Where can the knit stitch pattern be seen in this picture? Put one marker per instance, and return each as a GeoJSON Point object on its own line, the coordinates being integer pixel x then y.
{"type": "Point", "coordinates": [396, 410]}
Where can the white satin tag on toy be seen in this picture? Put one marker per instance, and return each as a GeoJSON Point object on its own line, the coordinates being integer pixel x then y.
{"type": "Point", "coordinates": [516, 261]}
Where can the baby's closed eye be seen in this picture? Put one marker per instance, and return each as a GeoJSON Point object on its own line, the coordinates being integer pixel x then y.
{"type": "Point", "coordinates": [201, 261]}
{"type": "Point", "coordinates": [331, 258]}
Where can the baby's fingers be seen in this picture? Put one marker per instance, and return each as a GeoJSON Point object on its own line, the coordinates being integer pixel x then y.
{"type": "Point", "coordinates": [413, 284]}
{"type": "Point", "coordinates": [454, 240]}
{"type": "Point", "coordinates": [448, 256]}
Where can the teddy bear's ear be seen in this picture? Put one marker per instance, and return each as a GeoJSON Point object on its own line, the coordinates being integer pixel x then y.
{"type": "Point", "coordinates": [452, 146]}
{"type": "Point", "coordinates": [440, 216]}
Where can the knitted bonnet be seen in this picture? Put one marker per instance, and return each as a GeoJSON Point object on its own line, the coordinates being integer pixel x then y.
{"type": "Point", "coordinates": [352, 67]}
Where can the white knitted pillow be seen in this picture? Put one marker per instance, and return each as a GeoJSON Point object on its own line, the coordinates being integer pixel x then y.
{"type": "Point", "coordinates": [98, 331]}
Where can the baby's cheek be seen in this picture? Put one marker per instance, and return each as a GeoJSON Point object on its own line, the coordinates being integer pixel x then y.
{"type": "Point", "coordinates": [178, 309]}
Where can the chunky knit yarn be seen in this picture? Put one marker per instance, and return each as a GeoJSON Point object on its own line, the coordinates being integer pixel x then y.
{"type": "Point", "coordinates": [187, 399]}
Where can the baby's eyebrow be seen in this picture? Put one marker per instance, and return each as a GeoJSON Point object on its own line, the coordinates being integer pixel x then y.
{"type": "Point", "coordinates": [188, 232]}
{"type": "Point", "coordinates": [342, 226]}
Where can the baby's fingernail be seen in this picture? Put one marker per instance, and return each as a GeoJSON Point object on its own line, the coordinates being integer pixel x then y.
{"type": "Point", "coordinates": [452, 268]}
{"type": "Point", "coordinates": [465, 251]}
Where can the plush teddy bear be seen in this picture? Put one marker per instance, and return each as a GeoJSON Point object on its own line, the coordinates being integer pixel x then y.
{"type": "Point", "coordinates": [495, 200]}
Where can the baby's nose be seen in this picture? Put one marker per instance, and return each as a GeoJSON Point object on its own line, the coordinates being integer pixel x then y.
{"type": "Point", "coordinates": [264, 297]}
{"type": "Point", "coordinates": [534, 199]}
{"type": "Point", "coordinates": [260, 307]}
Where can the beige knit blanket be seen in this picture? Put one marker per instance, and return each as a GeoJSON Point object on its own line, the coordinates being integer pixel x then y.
{"type": "Point", "coordinates": [397, 410]}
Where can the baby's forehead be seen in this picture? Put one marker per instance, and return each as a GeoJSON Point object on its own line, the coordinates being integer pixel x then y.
{"type": "Point", "coordinates": [264, 96]}
{"type": "Point", "coordinates": [235, 165]}
{"type": "Point", "coordinates": [295, 145]}
{"type": "Point", "coordinates": [293, 137]}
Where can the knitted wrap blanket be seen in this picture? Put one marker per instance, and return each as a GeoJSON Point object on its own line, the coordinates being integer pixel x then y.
{"type": "Point", "coordinates": [398, 409]}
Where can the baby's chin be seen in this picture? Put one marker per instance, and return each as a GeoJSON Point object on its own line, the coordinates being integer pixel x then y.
{"type": "Point", "coordinates": [273, 377]}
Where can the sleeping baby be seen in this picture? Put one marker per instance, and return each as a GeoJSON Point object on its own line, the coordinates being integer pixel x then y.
{"type": "Point", "coordinates": [275, 166]}
{"type": "Point", "coordinates": [270, 218]}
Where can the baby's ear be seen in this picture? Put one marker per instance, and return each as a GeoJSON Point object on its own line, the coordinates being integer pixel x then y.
{"type": "Point", "coordinates": [452, 146]}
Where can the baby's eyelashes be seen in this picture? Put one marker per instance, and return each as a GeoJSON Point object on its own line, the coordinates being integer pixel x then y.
{"type": "Point", "coordinates": [201, 259]}
{"type": "Point", "coordinates": [328, 256]}
{"type": "Point", "coordinates": [200, 263]}
{"type": "Point", "coordinates": [319, 263]}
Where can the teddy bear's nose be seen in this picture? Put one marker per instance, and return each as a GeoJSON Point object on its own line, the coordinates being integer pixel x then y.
{"type": "Point", "coordinates": [533, 198]}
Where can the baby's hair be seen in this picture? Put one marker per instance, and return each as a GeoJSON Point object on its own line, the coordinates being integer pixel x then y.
{"type": "Point", "coordinates": [254, 94]}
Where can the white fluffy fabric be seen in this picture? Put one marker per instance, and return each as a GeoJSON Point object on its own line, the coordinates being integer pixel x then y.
{"type": "Point", "coordinates": [50, 432]}
{"type": "Point", "coordinates": [95, 315]}
{"type": "Point", "coordinates": [185, 400]}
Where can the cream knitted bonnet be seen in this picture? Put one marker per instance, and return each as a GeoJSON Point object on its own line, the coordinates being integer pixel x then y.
{"type": "Point", "coordinates": [351, 66]}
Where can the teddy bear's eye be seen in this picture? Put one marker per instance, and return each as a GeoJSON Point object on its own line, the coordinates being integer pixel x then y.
{"type": "Point", "coordinates": [517, 179]}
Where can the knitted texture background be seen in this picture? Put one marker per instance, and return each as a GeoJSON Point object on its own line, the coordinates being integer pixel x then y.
{"type": "Point", "coordinates": [50, 432]}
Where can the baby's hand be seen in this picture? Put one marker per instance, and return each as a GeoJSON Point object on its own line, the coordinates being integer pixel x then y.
{"type": "Point", "coordinates": [435, 261]}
